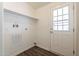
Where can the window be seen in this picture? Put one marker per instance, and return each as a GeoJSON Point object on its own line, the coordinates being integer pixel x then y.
{"type": "Point", "coordinates": [61, 19]}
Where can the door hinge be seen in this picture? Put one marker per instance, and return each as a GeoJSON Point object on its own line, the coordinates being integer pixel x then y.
{"type": "Point", "coordinates": [73, 7]}
{"type": "Point", "coordinates": [73, 30]}
{"type": "Point", "coordinates": [73, 52]}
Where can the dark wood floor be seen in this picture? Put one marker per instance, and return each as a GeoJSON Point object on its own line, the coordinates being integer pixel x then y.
{"type": "Point", "coordinates": [36, 51]}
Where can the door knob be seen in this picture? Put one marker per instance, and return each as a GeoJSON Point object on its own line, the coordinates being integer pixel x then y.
{"type": "Point", "coordinates": [51, 31]}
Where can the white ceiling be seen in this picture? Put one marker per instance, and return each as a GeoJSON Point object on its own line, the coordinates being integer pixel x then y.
{"type": "Point", "coordinates": [38, 4]}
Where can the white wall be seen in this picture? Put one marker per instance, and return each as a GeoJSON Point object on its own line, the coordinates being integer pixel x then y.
{"type": "Point", "coordinates": [44, 17]}
{"type": "Point", "coordinates": [17, 40]}
{"type": "Point", "coordinates": [0, 28]}
{"type": "Point", "coordinates": [20, 7]}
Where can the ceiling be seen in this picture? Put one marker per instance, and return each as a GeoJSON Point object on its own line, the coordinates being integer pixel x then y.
{"type": "Point", "coordinates": [37, 5]}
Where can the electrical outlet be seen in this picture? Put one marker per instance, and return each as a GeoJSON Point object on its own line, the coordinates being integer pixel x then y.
{"type": "Point", "coordinates": [35, 43]}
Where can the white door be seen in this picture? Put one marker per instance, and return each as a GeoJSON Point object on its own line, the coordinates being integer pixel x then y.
{"type": "Point", "coordinates": [62, 30]}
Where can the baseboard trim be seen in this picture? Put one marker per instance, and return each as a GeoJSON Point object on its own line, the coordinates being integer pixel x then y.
{"type": "Point", "coordinates": [43, 47]}
{"type": "Point", "coordinates": [57, 53]}
{"type": "Point", "coordinates": [50, 50]}
{"type": "Point", "coordinates": [24, 49]}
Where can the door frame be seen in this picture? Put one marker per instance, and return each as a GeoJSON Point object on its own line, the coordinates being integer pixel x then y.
{"type": "Point", "coordinates": [74, 25]}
